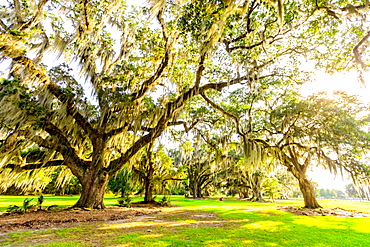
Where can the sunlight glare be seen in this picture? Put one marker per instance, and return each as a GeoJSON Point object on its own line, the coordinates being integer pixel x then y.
{"type": "Point", "coordinates": [347, 82]}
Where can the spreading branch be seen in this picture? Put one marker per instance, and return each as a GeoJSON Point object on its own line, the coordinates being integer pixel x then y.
{"type": "Point", "coordinates": [357, 53]}
{"type": "Point", "coordinates": [146, 85]}
{"type": "Point", "coordinates": [183, 123]}
{"type": "Point", "coordinates": [14, 49]}
{"type": "Point", "coordinates": [33, 166]}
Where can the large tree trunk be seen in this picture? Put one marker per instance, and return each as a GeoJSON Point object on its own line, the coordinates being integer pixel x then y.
{"type": "Point", "coordinates": [256, 186]}
{"type": "Point", "coordinates": [244, 193]}
{"type": "Point", "coordinates": [92, 195]}
{"type": "Point", "coordinates": [194, 190]}
{"type": "Point", "coordinates": [149, 183]}
{"type": "Point", "coordinates": [199, 191]}
{"type": "Point", "coordinates": [308, 192]}
{"type": "Point", "coordinates": [257, 194]}
{"type": "Point", "coordinates": [306, 187]}
{"type": "Point", "coordinates": [94, 183]}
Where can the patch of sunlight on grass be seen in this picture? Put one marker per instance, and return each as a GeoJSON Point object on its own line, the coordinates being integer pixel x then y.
{"type": "Point", "coordinates": [147, 224]}
{"type": "Point", "coordinates": [218, 242]}
{"type": "Point", "coordinates": [78, 243]}
{"type": "Point", "coordinates": [362, 226]}
{"type": "Point", "coordinates": [247, 241]}
{"type": "Point", "coordinates": [67, 232]}
{"type": "Point", "coordinates": [267, 225]}
{"type": "Point", "coordinates": [271, 244]}
{"type": "Point", "coordinates": [152, 236]}
{"type": "Point", "coordinates": [122, 245]}
{"type": "Point", "coordinates": [329, 222]}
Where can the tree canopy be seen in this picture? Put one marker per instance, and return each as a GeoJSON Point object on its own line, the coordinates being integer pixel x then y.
{"type": "Point", "coordinates": [91, 83]}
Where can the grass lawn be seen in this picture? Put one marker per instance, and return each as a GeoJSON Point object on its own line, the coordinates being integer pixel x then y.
{"type": "Point", "coordinates": [205, 223]}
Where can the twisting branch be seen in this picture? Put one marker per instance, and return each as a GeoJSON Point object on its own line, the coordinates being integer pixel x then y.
{"type": "Point", "coordinates": [252, 7]}
{"type": "Point", "coordinates": [214, 146]}
{"type": "Point", "coordinates": [222, 110]}
{"type": "Point", "coordinates": [187, 129]}
{"type": "Point", "coordinates": [200, 70]}
{"type": "Point", "coordinates": [37, 165]}
{"type": "Point", "coordinates": [125, 127]}
{"type": "Point", "coordinates": [2, 24]}
{"type": "Point", "coordinates": [64, 147]}
{"type": "Point", "coordinates": [357, 53]}
{"type": "Point", "coordinates": [35, 18]}
{"type": "Point", "coordinates": [45, 143]}
{"type": "Point", "coordinates": [72, 109]}
{"type": "Point", "coordinates": [146, 85]}
{"type": "Point", "coordinates": [14, 49]}
{"type": "Point", "coordinates": [170, 109]}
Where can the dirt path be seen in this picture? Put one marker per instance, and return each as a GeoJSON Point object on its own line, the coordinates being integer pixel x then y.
{"type": "Point", "coordinates": [68, 218]}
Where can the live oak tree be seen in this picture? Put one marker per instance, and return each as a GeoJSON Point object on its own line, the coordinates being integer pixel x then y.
{"type": "Point", "coordinates": [91, 83]}
{"type": "Point", "coordinates": [318, 130]}
{"type": "Point", "coordinates": [198, 161]}
{"type": "Point", "coordinates": [243, 109]}
{"type": "Point", "coordinates": [276, 125]}
{"type": "Point", "coordinates": [59, 50]}
{"type": "Point", "coordinates": [153, 169]}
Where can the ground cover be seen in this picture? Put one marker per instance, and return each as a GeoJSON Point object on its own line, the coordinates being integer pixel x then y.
{"type": "Point", "coordinates": [206, 222]}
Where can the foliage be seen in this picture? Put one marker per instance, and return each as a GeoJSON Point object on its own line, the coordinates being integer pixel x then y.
{"type": "Point", "coordinates": [125, 201]}
{"type": "Point", "coordinates": [26, 207]}
{"type": "Point", "coordinates": [40, 201]}
{"type": "Point", "coordinates": [165, 201]}
{"type": "Point", "coordinates": [153, 170]}
{"type": "Point", "coordinates": [146, 68]}
{"type": "Point", "coordinates": [63, 183]}
{"type": "Point", "coordinates": [271, 188]}
{"type": "Point", "coordinates": [14, 209]}
{"type": "Point", "coordinates": [122, 182]}
{"type": "Point", "coordinates": [351, 191]}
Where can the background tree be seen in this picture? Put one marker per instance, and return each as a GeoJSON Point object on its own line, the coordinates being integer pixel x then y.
{"type": "Point", "coordinates": [271, 188]}
{"type": "Point", "coordinates": [152, 169]}
{"type": "Point", "coordinates": [122, 182]}
{"type": "Point", "coordinates": [320, 130]}
{"type": "Point", "coordinates": [351, 191]}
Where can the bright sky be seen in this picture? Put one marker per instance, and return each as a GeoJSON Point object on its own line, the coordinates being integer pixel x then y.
{"type": "Point", "coordinates": [349, 83]}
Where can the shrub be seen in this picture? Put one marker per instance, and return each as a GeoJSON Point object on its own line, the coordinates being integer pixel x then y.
{"type": "Point", "coordinates": [165, 201]}
{"type": "Point", "coordinates": [27, 206]}
{"type": "Point", "coordinates": [125, 201]}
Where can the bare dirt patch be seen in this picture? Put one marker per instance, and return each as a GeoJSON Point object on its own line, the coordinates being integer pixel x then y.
{"type": "Point", "coordinates": [69, 217]}
{"type": "Point", "coordinates": [338, 212]}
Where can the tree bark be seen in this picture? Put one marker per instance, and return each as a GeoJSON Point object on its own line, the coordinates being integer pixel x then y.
{"type": "Point", "coordinates": [92, 194]}
{"type": "Point", "coordinates": [256, 194]}
{"type": "Point", "coordinates": [244, 193]}
{"type": "Point", "coordinates": [306, 187]}
{"type": "Point", "coordinates": [194, 190]}
{"type": "Point", "coordinates": [256, 186]}
{"type": "Point", "coordinates": [149, 184]}
{"type": "Point", "coordinates": [199, 191]}
{"type": "Point", "coordinates": [308, 192]}
{"type": "Point", "coordinates": [94, 181]}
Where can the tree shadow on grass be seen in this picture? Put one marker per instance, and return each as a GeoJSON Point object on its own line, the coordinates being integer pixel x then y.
{"type": "Point", "coordinates": [213, 227]}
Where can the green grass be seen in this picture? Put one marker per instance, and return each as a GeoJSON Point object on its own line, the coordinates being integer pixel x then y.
{"type": "Point", "coordinates": [209, 223]}
{"type": "Point", "coordinates": [61, 201]}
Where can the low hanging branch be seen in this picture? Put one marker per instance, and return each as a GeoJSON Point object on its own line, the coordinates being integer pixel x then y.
{"type": "Point", "coordinates": [185, 124]}
{"type": "Point", "coordinates": [38, 165]}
